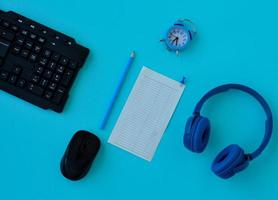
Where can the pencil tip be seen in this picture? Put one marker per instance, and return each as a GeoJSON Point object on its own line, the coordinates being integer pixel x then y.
{"type": "Point", "coordinates": [132, 55]}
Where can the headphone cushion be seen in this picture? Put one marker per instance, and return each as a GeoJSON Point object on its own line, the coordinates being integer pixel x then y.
{"type": "Point", "coordinates": [197, 133]}
{"type": "Point", "coordinates": [187, 139]}
{"type": "Point", "coordinates": [229, 161]}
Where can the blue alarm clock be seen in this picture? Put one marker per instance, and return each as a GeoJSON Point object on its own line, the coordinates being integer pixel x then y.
{"type": "Point", "coordinates": [180, 35]}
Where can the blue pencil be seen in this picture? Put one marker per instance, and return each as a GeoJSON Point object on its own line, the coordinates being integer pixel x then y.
{"type": "Point", "coordinates": [117, 91]}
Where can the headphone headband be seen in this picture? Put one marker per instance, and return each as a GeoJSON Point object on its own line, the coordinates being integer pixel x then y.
{"type": "Point", "coordinates": [258, 97]}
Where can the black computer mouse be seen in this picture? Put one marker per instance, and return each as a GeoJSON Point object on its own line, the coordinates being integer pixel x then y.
{"type": "Point", "coordinates": [79, 155]}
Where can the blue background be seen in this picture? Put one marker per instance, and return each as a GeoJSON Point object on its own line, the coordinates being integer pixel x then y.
{"type": "Point", "coordinates": [237, 42]}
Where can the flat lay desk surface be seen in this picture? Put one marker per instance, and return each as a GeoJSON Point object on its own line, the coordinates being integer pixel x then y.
{"type": "Point", "coordinates": [237, 42]}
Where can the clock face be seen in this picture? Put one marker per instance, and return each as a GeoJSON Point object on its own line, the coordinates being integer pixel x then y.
{"type": "Point", "coordinates": [177, 37]}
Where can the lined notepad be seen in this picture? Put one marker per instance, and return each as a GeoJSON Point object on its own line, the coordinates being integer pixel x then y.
{"type": "Point", "coordinates": [146, 113]}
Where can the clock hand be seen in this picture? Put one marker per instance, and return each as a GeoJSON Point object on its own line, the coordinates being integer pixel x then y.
{"type": "Point", "coordinates": [173, 41]}
{"type": "Point", "coordinates": [172, 34]}
{"type": "Point", "coordinates": [177, 39]}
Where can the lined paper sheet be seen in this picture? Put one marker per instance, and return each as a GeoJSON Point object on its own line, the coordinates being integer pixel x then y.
{"type": "Point", "coordinates": [146, 113]}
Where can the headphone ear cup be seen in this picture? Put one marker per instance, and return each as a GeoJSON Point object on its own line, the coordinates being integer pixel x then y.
{"type": "Point", "coordinates": [197, 133]}
{"type": "Point", "coordinates": [187, 139]}
{"type": "Point", "coordinates": [201, 134]}
{"type": "Point", "coordinates": [229, 161]}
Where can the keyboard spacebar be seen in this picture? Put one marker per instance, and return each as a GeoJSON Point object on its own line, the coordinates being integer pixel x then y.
{"type": "Point", "coordinates": [4, 47]}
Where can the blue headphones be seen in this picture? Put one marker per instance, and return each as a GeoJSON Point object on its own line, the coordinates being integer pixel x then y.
{"type": "Point", "coordinates": [232, 159]}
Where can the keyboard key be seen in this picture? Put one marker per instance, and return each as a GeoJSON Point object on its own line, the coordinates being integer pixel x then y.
{"type": "Point", "coordinates": [52, 86]}
{"type": "Point", "coordinates": [44, 32]}
{"type": "Point", "coordinates": [37, 49]}
{"type": "Point", "coordinates": [33, 57]}
{"type": "Point", "coordinates": [61, 89]}
{"type": "Point", "coordinates": [39, 69]}
{"type": "Point", "coordinates": [65, 81]}
{"type": "Point", "coordinates": [55, 57]}
{"type": "Point", "coordinates": [4, 47]}
{"type": "Point", "coordinates": [68, 74]}
{"type": "Point", "coordinates": [35, 89]}
{"type": "Point", "coordinates": [43, 83]}
{"type": "Point", "coordinates": [73, 65]}
{"type": "Point", "coordinates": [13, 79]}
{"type": "Point", "coordinates": [51, 65]}
{"type": "Point", "coordinates": [57, 37]}
{"type": "Point", "coordinates": [69, 43]}
{"type": "Point", "coordinates": [7, 35]}
{"type": "Point", "coordinates": [20, 40]}
{"type": "Point", "coordinates": [29, 45]}
{"type": "Point", "coordinates": [60, 69]}
{"type": "Point", "coordinates": [56, 78]}
{"type": "Point", "coordinates": [25, 53]}
{"type": "Point", "coordinates": [35, 78]}
{"type": "Point", "coordinates": [64, 61]}
{"type": "Point", "coordinates": [58, 96]}
{"type": "Point", "coordinates": [16, 50]}
{"type": "Point", "coordinates": [24, 32]}
{"type": "Point", "coordinates": [53, 44]}
{"type": "Point", "coordinates": [17, 70]}
{"type": "Point", "coordinates": [46, 53]}
{"type": "Point", "coordinates": [14, 28]}
{"type": "Point", "coordinates": [48, 95]}
{"type": "Point", "coordinates": [6, 24]}
{"type": "Point", "coordinates": [4, 75]}
{"type": "Point", "coordinates": [20, 20]}
{"type": "Point", "coordinates": [30, 86]}
{"type": "Point", "coordinates": [43, 61]}
{"type": "Point", "coordinates": [32, 26]}
{"type": "Point", "coordinates": [21, 83]}
{"type": "Point", "coordinates": [33, 36]}
{"type": "Point", "coordinates": [47, 74]}
{"type": "Point", "coordinates": [41, 40]}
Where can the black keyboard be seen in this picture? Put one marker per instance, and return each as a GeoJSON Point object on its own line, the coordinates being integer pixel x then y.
{"type": "Point", "coordinates": [37, 64]}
